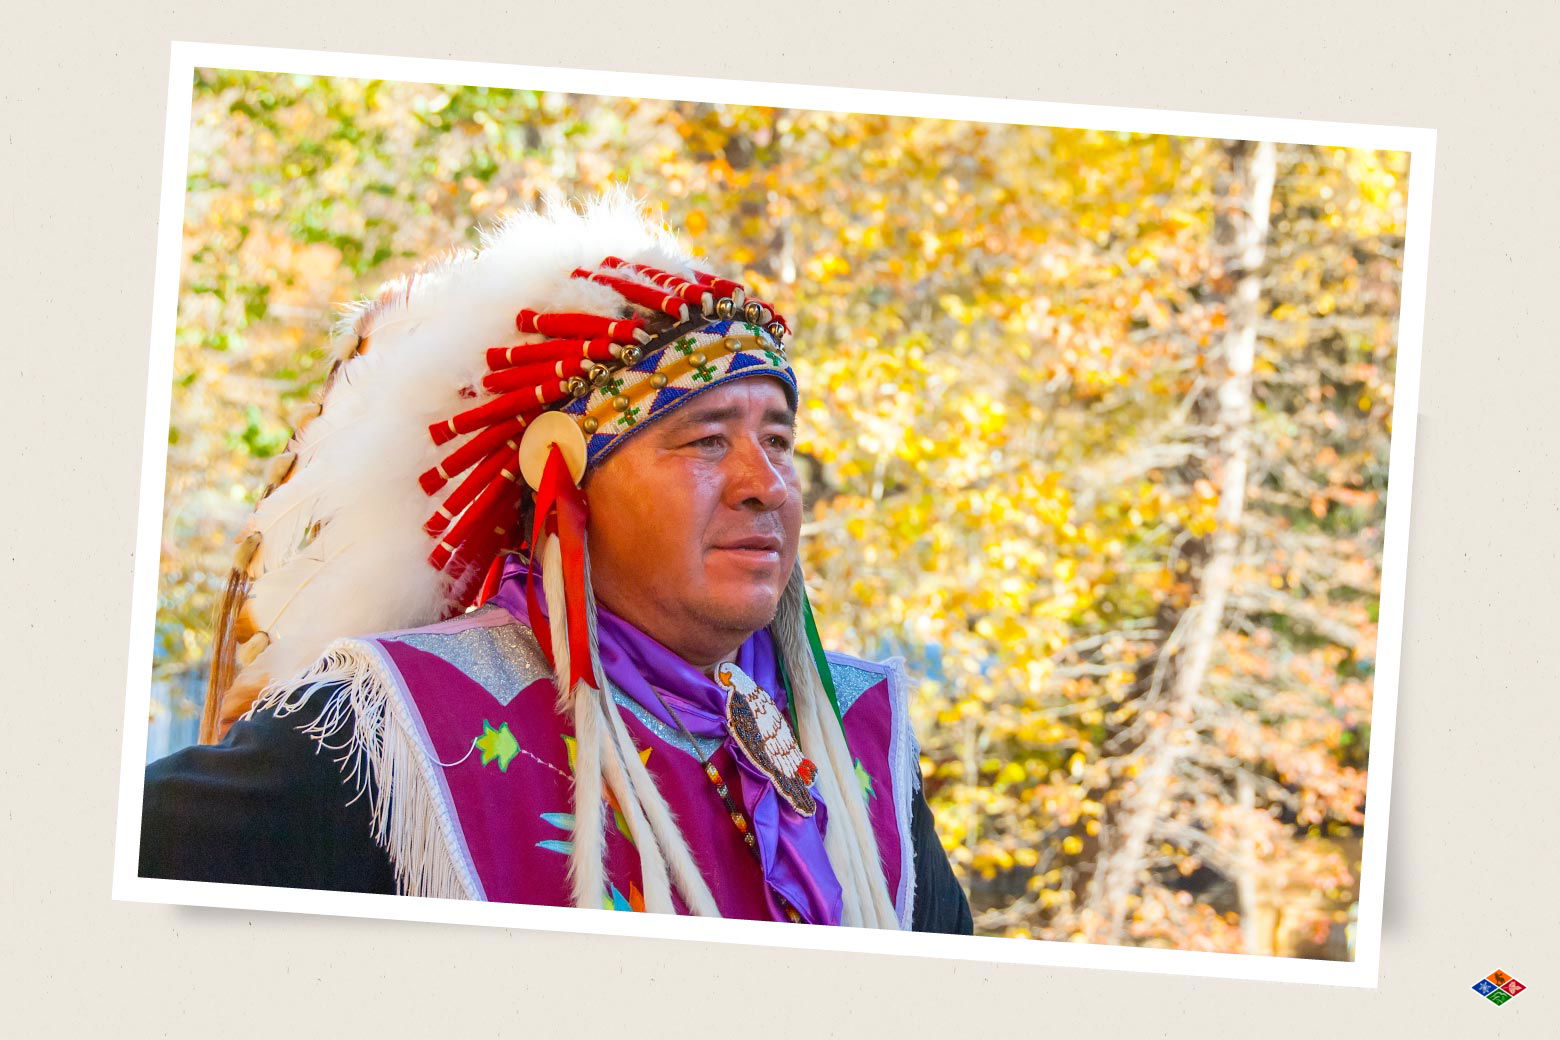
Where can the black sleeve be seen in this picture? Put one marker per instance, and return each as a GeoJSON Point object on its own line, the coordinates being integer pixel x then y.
{"type": "Point", "coordinates": [940, 904]}
{"type": "Point", "coordinates": [267, 807]}
{"type": "Point", "coordinates": [264, 807]}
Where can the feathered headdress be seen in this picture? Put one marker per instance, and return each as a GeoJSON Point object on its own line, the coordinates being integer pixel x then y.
{"type": "Point", "coordinates": [470, 396]}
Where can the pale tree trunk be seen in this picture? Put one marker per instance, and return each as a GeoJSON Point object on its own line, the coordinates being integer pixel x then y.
{"type": "Point", "coordinates": [1253, 886]}
{"type": "Point", "coordinates": [1240, 239]}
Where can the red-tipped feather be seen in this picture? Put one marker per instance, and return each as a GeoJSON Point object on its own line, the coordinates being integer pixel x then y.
{"type": "Point", "coordinates": [522, 376]}
{"type": "Point", "coordinates": [688, 292]}
{"type": "Point", "coordinates": [494, 508]}
{"type": "Point", "coordinates": [470, 453]}
{"type": "Point", "coordinates": [654, 275]}
{"type": "Point", "coordinates": [439, 558]}
{"type": "Point", "coordinates": [554, 350]}
{"type": "Point", "coordinates": [643, 295]}
{"type": "Point", "coordinates": [579, 326]}
{"type": "Point", "coordinates": [720, 286]}
{"type": "Point", "coordinates": [523, 404]}
{"type": "Point", "coordinates": [476, 481]}
{"type": "Point", "coordinates": [480, 530]}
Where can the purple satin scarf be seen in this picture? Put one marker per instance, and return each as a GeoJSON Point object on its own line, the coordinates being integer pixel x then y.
{"type": "Point", "coordinates": [790, 845]}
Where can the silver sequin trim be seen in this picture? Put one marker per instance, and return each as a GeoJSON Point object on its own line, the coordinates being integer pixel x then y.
{"type": "Point", "coordinates": [505, 659]}
{"type": "Point", "coordinates": [670, 734]}
{"type": "Point", "coordinates": [851, 682]}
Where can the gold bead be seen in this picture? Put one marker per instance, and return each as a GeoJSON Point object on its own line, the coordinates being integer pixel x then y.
{"type": "Point", "coordinates": [620, 402]}
{"type": "Point", "coordinates": [590, 424]}
{"type": "Point", "coordinates": [658, 380]}
{"type": "Point", "coordinates": [733, 344]}
{"type": "Point", "coordinates": [697, 357]}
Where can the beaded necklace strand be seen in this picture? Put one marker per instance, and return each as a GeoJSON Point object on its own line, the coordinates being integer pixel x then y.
{"type": "Point", "coordinates": [738, 817]}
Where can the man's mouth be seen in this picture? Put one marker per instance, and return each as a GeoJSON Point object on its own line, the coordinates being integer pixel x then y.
{"type": "Point", "coordinates": [754, 545]}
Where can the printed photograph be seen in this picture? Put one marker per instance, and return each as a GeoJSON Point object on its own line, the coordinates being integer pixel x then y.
{"type": "Point", "coordinates": [777, 514]}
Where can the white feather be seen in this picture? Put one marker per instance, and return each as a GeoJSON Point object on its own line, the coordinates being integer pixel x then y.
{"type": "Point", "coordinates": [426, 338]}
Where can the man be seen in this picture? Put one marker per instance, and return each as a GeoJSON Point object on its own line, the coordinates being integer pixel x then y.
{"type": "Point", "coordinates": [597, 680]}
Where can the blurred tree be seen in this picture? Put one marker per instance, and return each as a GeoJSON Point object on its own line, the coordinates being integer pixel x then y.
{"type": "Point", "coordinates": [1177, 682]}
{"type": "Point", "coordinates": [1092, 434]}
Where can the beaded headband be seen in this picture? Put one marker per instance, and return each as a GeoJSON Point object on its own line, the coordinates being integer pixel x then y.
{"type": "Point", "coordinates": [668, 375]}
{"type": "Point", "coordinates": [586, 387]}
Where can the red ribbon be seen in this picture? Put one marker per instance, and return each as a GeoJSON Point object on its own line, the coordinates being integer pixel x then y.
{"type": "Point", "coordinates": [492, 579]}
{"type": "Point", "coordinates": [561, 510]}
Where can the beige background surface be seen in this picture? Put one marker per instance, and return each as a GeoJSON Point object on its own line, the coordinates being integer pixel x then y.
{"type": "Point", "coordinates": [1472, 866]}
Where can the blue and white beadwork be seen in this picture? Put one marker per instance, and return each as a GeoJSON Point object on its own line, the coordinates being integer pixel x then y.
{"type": "Point", "coordinates": [630, 399]}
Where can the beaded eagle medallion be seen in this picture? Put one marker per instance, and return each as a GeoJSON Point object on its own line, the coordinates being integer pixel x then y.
{"type": "Point", "coordinates": [766, 738]}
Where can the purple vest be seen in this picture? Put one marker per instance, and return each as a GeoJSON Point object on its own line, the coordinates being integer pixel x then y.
{"type": "Point", "coordinates": [505, 805]}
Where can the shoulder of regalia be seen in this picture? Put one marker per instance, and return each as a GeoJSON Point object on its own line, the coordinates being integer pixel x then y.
{"type": "Point", "coordinates": [853, 676]}
{"type": "Point", "coordinates": [489, 645]}
{"type": "Point", "coordinates": [363, 709]}
{"type": "Point", "coordinates": [887, 682]}
{"type": "Point", "coordinates": [874, 704]}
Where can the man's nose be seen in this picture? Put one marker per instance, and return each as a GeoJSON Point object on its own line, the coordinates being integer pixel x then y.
{"type": "Point", "coordinates": [755, 480]}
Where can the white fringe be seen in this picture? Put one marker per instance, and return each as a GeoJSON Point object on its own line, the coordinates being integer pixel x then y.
{"type": "Point", "coordinates": [849, 839]}
{"type": "Point", "coordinates": [364, 721]}
{"type": "Point", "coordinates": [587, 868]}
{"type": "Point", "coordinates": [605, 755]}
{"type": "Point", "coordinates": [666, 835]}
{"type": "Point", "coordinates": [648, 803]}
{"type": "Point", "coordinates": [587, 872]}
{"type": "Point", "coordinates": [652, 867]}
{"type": "Point", "coordinates": [368, 723]}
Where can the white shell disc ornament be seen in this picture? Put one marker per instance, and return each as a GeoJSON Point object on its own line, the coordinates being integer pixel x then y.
{"type": "Point", "coordinates": [765, 737]}
{"type": "Point", "coordinates": [545, 430]}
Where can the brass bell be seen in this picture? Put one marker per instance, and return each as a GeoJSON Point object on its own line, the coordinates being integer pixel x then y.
{"type": "Point", "coordinates": [725, 308]}
{"type": "Point", "coordinates": [631, 355]}
{"type": "Point", "coordinates": [754, 311]}
{"type": "Point", "coordinates": [776, 329]}
{"type": "Point", "coordinates": [577, 387]}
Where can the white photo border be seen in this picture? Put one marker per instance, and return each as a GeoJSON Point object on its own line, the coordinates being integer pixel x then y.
{"type": "Point", "coordinates": [1418, 142]}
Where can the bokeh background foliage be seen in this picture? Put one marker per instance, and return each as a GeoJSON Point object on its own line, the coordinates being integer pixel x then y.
{"type": "Point", "coordinates": [1095, 435]}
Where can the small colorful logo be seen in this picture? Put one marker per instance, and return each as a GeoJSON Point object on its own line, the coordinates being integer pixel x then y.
{"type": "Point", "coordinates": [1497, 987]}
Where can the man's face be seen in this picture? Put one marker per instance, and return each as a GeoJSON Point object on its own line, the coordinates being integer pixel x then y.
{"type": "Point", "coordinates": [694, 521]}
